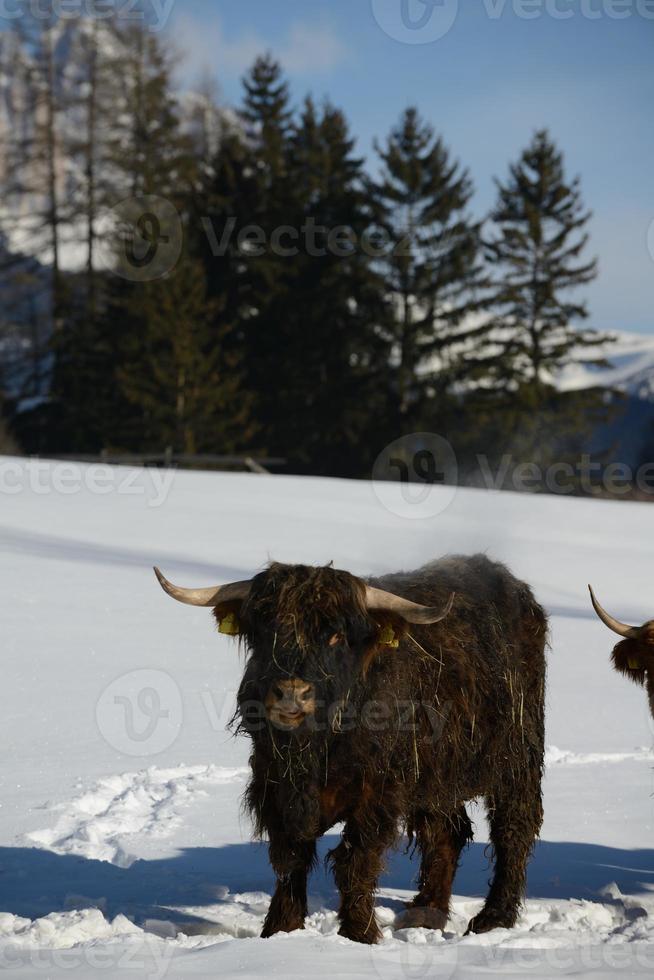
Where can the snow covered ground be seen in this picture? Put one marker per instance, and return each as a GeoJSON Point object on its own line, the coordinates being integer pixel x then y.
{"type": "Point", "coordinates": [123, 851]}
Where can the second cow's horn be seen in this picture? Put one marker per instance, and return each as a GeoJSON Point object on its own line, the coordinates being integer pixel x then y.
{"type": "Point", "coordinates": [622, 629]}
{"type": "Point", "coordinates": [411, 611]}
{"type": "Point", "coordinates": [217, 594]}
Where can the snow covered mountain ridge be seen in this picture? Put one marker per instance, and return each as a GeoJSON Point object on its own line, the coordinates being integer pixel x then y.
{"type": "Point", "coordinates": [631, 372]}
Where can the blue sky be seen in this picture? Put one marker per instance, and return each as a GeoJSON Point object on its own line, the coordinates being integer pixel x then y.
{"type": "Point", "coordinates": [486, 74]}
{"type": "Point", "coordinates": [486, 84]}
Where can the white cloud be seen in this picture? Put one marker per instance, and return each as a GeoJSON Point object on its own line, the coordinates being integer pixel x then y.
{"type": "Point", "coordinates": [312, 48]}
{"type": "Point", "coordinates": [306, 49]}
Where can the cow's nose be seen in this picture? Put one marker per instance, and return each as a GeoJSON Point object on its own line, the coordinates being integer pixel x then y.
{"type": "Point", "coordinates": [289, 708]}
{"type": "Point", "coordinates": [292, 698]}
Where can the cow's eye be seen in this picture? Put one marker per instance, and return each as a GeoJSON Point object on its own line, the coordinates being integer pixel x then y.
{"type": "Point", "coordinates": [277, 691]}
{"type": "Point", "coordinates": [336, 640]}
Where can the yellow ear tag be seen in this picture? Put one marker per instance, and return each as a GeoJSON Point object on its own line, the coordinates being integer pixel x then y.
{"type": "Point", "coordinates": [633, 663]}
{"type": "Point", "coordinates": [229, 624]}
{"type": "Point", "coordinates": [388, 637]}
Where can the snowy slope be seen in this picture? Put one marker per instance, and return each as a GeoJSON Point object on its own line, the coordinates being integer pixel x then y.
{"type": "Point", "coordinates": [123, 849]}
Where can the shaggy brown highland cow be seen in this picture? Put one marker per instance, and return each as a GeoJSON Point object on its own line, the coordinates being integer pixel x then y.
{"type": "Point", "coordinates": [634, 655]}
{"type": "Point", "coordinates": [387, 705]}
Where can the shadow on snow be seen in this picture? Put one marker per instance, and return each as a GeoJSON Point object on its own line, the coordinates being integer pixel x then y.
{"type": "Point", "coordinates": [35, 882]}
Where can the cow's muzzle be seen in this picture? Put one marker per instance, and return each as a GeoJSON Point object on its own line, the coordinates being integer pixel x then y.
{"type": "Point", "coordinates": [289, 702]}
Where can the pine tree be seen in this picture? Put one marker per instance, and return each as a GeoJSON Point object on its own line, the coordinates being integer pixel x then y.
{"type": "Point", "coordinates": [267, 115]}
{"type": "Point", "coordinates": [219, 210]}
{"type": "Point", "coordinates": [249, 197]}
{"type": "Point", "coordinates": [149, 150]}
{"type": "Point", "coordinates": [431, 266]}
{"type": "Point", "coordinates": [534, 252]}
{"type": "Point", "coordinates": [83, 399]}
{"type": "Point", "coordinates": [268, 205]}
{"type": "Point", "coordinates": [36, 175]}
{"type": "Point", "coordinates": [7, 444]}
{"type": "Point", "coordinates": [94, 110]}
{"type": "Point", "coordinates": [535, 256]}
{"type": "Point", "coordinates": [185, 388]}
{"type": "Point", "coordinates": [37, 147]}
{"type": "Point", "coordinates": [169, 341]}
{"type": "Point", "coordinates": [140, 152]}
{"type": "Point", "coordinates": [205, 120]}
{"type": "Point", "coordinates": [331, 397]}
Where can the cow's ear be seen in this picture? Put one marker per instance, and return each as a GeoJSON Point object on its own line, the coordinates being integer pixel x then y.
{"type": "Point", "coordinates": [389, 631]}
{"type": "Point", "coordinates": [631, 657]}
{"type": "Point", "coordinates": [228, 617]}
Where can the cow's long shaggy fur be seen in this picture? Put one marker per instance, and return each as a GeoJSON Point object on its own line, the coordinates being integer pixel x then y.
{"type": "Point", "coordinates": [402, 737]}
{"type": "Point", "coordinates": [635, 659]}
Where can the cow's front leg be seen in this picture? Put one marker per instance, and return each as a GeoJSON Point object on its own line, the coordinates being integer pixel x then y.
{"type": "Point", "coordinates": [357, 863]}
{"type": "Point", "coordinates": [291, 862]}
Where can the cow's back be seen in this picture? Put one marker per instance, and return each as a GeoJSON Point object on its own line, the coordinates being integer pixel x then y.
{"type": "Point", "coordinates": [477, 677]}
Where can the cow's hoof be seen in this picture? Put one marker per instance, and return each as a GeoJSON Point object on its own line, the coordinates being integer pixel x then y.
{"type": "Point", "coordinates": [421, 917]}
{"type": "Point", "coordinates": [486, 921]}
{"type": "Point", "coordinates": [370, 937]}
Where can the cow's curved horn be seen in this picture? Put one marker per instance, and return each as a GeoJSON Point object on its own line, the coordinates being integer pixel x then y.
{"type": "Point", "coordinates": [233, 592]}
{"type": "Point", "coordinates": [411, 611]}
{"type": "Point", "coordinates": [629, 632]}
